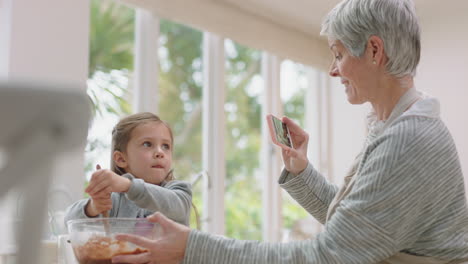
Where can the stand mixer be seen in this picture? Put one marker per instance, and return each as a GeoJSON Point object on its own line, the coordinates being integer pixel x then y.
{"type": "Point", "coordinates": [39, 121]}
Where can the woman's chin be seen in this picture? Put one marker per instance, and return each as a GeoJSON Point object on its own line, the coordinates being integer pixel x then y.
{"type": "Point", "coordinates": [354, 101]}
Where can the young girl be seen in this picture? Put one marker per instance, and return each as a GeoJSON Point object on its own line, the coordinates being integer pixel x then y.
{"type": "Point", "coordinates": [140, 181]}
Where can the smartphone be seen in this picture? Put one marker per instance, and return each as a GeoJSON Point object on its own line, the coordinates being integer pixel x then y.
{"type": "Point", "coordinates": [279, 131]}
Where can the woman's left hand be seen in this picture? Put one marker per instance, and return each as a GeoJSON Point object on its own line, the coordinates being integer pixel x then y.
{"type": "Point", "coordinates": [168, 248]}
{"type": "Point", "coordinates": [295, 159]}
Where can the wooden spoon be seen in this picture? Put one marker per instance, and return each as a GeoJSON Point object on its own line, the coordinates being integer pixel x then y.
{"type": "Point", "coordinates": [105, 214]}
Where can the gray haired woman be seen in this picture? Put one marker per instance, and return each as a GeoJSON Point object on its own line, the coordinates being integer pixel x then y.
{"type": "Point", "coordinates": [403, 200]}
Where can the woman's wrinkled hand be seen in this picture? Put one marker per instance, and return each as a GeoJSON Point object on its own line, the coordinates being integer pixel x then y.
{"type": "Point", "coordinates": [295, 159]}
{"type": "Point", "coordinates": [169, 247]}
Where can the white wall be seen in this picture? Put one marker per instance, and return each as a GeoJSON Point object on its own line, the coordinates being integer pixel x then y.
{"type": "Point", "coordinates": [443, 71]}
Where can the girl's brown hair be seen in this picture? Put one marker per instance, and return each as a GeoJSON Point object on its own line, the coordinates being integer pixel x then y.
{"type": "Point", "coordinates": [123, 130]}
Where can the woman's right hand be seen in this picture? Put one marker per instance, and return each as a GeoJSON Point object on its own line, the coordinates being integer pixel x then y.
{"type": "Point", "coordinates": [168, 247]}
{"type": "Point", "coordinates": [295, 159]}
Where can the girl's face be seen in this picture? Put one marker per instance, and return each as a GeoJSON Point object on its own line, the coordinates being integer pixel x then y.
{"type": "Point", "coordinates": [149, 153]}
{"type": "Point", "coordinates": [355, 73]}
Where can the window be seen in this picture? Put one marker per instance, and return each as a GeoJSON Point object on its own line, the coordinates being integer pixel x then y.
{"type": "Point", "coordinates": [180, 104]}
{"type": "Point", "coordinates": [110, 70]}
{"type": "Point", "coordinates": [180, 96]}
{"type": "Point", "coordinates": [243, 138]}
{"type": "Point", "coordinates": [295, 84]}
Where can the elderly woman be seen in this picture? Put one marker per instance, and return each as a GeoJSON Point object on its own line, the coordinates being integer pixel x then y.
{"type": "Point", "coordinates": [403, 201]}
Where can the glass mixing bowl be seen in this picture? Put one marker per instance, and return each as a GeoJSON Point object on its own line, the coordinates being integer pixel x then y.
{"type": "Point", "coordinates": [93, 240]}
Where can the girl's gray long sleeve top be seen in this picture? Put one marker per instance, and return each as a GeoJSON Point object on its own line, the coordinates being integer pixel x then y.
{"type": "Point", "coordinates": [173, 199]}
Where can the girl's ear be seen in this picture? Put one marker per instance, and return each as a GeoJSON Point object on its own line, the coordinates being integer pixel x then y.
{"type": "Point", "coordinates": [120, 159]}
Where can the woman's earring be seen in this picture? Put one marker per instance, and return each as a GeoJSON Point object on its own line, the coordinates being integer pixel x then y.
{"type": "Point", "coordinates": [374, 62]}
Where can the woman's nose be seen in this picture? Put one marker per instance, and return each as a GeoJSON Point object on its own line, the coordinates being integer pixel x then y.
{"type": "Point", "coordinates": [333, 70]}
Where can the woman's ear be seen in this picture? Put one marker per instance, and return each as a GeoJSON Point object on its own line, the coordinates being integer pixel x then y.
{"type": "Point", "coordinates": [120, 159]}
{"type": "Point", "coordinates": [375, 50]}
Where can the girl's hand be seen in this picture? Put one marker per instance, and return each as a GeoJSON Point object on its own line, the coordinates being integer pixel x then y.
{"type": "Point", "coordinates": [106, 181]}
{"type": "Point", "coordinates": [98, 204]}
{"type": "Point", "coordinates": [169, 247]}
{"type": "Point", "coordinates": [295, 159]}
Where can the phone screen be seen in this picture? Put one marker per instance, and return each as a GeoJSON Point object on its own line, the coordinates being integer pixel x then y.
{"type": "Point", "coordinates": [281, 132]}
